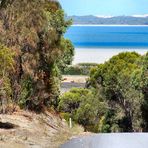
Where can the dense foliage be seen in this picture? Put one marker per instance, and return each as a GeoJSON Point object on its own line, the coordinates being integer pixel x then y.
{"type": "Point", "coordinates": [79, 69]}
{"type": "Point", "coordinates": [6, 69]}
{"type": "Point", "coordinates": [83, 106]}
{"type": "Point", "coordinates": [118, 96]}
{"type": "Point", "coordinates": [117, 78]}
{"type": "Point", "coordinates": [34, 31]}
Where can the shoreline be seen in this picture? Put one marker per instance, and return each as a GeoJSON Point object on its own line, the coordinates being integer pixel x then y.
{"type": "Point", "coordinates": [101, 55]}
{"type": "Point", "coordinates": [110, 25]}
{"type": "Point", "coordinates": [112, 47]}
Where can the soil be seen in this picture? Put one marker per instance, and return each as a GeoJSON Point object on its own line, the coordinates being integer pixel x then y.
{"type": "Point", "coordinates": [30, 130]}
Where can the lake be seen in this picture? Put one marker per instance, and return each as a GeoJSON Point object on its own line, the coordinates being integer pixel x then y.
{"type": "Point", "coordinates": [99, 43]}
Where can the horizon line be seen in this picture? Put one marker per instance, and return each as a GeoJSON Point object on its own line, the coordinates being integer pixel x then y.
{"type": "Point", "coordinates": [108, 25]}
{"type": "Point", "coordinates": [110, 16]}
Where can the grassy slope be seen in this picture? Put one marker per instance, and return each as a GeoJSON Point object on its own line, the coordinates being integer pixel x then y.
{"type": "Point", "coordinates": [35, 130]}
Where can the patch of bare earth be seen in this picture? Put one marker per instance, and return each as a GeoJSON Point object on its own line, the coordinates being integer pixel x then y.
{"type": "Point", "coordinates": [74, 78]}
{"type": "Point", "coordinates": [70, 81]}
{"type": "Point", "coordinates": [29, 130]}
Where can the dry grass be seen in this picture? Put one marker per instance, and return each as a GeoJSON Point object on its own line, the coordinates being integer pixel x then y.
{"type": "Point", "coordinates": [67, 134]}
{"type": "Point", "coordinates": [36, 130]}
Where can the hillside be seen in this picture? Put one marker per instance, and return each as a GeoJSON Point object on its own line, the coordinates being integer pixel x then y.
{"type": "Point", "coordinates": [26, 129]}
{"type": "Point", "coordinates": [33, 52]}
{"type": "Point", "coordinates": [115, 20]}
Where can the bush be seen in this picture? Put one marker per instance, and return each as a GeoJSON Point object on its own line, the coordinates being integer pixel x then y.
{"type": "Point", "coordinates": [83, 106]}
{"type": "Point", "coordinates": [79, 69]}
{"type": "Point", "coordinates": [6, 67]}
{"type": "Point", "coordinates": [116, 78]}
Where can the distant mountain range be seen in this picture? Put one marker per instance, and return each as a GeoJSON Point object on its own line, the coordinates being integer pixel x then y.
{"type": "Point", "coordinates": [110, 20]}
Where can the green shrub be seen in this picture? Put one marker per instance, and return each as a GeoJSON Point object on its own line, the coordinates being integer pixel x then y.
{"type": "Point", "coordinates": [66, 116]}
{"type": "Point", "coordinates": [83, 106]}
{"type": "Point", "coordinates": [79, 69]}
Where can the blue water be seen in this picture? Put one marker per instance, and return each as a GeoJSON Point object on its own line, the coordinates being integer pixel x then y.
{"type": "Point", "coordinates": [108, 36]}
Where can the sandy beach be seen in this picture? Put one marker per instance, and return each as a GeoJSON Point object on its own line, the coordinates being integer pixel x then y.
{"type": "Point", "coordinates": [100, 55]}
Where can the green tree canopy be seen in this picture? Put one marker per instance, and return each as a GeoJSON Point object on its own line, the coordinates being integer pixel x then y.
{"type": "Point", "coordinates": [34, 31]}
{"type": "Point", "coordinates": [84, 107]}
{"type": "Point", "coordinates": [115, 78]}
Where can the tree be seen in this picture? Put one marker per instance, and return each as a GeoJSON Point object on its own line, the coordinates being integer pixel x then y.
{"type": "Point", "coordinates": [144, 76]}
{"type": "Point", "coordinates": [115, 78]}
{"type": "Point", "coordinates": [140, 83]}
{"type": "Point", "coordinates": [67, 56]}
{"type": "Point", "coordinates": [6, 68]}
{"type": "Point", "coordinates": [70, 101]}
{"type": "Point", "coordinates": [144, 88]}
{"type": "Point", "coordinates": [84, 107]}
{"type": "Point", "coordinates": [34, 30]}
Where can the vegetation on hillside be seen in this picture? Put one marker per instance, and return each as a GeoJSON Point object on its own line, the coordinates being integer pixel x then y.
{"type": "Point", "coordinates": [117, 98]}
{"type": "Point", "coordinates": [32, 32]}
{"type": "Point", "coordinates": [119, 20]}
{"type": "Point", "coordinates": [79, 69]}
{"type": "Point", "coordinates": [34, 54]}
{"type": "Point", "coordinates": [83, 106]}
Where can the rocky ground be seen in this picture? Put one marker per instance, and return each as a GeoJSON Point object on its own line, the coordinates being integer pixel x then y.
{"type": "Point", "coordinates": [29, 130]}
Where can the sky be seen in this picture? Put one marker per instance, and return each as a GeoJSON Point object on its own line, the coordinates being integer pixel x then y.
{"type": "Point", "coordinates": [105, 7]}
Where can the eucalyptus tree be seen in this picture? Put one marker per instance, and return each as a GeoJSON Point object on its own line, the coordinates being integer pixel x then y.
{"type": "Point", "coordinates": [114, 77]}
{"type": "Point", "coordinates": [6, 69]}
{"type": "Point", "coordinates": [144, 88]}
{"type": "Point", "coordinates": [34, 30]}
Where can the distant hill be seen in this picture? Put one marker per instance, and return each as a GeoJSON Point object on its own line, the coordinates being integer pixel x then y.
{"type": "Point", "coordinates": [116, 20]}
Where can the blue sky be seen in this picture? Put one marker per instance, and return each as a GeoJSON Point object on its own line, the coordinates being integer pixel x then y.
{"type": "Point", "coordinates": [105, 7]}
